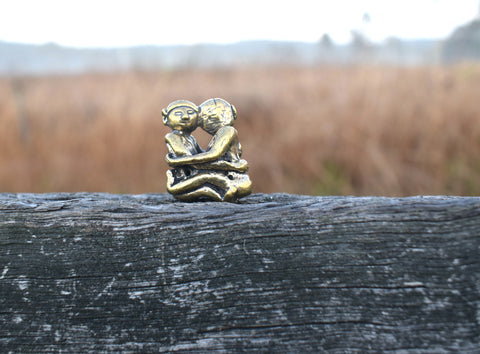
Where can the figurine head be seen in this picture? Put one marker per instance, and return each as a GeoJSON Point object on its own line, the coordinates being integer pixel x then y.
{"type": "Point", "coordinates": [216, 113]}
{"type": "Point", "coordinates": [181, 115]}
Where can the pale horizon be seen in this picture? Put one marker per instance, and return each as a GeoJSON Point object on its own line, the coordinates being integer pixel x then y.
{"type": "Point", "coordinates": [146, 22]}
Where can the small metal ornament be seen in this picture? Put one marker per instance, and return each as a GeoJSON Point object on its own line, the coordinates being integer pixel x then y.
{"type": "Point", "coordinates": [215, 174]}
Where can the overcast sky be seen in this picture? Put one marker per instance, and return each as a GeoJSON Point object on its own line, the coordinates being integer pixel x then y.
{"type": "Point", "coordinates": [88, 23]}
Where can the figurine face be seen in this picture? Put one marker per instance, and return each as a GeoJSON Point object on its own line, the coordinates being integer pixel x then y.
{"type": "Point", "coordinates": [182, 118]}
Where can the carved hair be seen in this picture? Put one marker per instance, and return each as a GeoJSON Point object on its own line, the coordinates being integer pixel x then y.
{"type": "Point", "coordinates": [216, 113]}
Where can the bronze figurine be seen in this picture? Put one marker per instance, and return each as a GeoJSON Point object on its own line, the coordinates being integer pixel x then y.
{"type": "Point", "coordinates": [216, 174]}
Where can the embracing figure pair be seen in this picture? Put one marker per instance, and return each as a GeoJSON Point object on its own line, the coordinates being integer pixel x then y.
{"type": "Point", "coordinates": [219, 172]}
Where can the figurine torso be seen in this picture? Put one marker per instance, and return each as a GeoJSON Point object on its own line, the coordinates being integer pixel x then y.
{"type": "Point", "coordinates": [234, 152]}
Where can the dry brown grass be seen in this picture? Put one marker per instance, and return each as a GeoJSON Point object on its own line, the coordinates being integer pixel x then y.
{"type": "Point", "coordinates": [321, 130]}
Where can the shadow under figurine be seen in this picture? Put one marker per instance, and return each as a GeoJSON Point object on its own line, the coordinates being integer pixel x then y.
{"type": "Point", "coordinates": [216, 174]}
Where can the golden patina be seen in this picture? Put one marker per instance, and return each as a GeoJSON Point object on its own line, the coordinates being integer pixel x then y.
{"type": "Point", "coordinates": [217, 173]}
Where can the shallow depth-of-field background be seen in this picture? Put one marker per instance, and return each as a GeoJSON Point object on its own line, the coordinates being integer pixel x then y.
{"type": "Point", "coordinates": [361, 130]}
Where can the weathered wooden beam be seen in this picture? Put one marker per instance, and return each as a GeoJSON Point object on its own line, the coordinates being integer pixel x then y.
{"type": "Point", "coordinates": [281, 273]}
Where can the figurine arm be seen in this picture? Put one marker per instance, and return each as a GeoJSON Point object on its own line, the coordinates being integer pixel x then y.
{"type": "Point", "coordinates": [221, 165]}
{"type": "Point", "coordinates": [224, 139]}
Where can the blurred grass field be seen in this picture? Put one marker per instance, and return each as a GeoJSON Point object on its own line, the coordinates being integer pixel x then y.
{"type": "Point", "coordinates": [343, 130]}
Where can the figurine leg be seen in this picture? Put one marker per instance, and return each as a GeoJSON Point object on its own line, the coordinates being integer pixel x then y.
{"type": "Point", "coordinates": [244, 187]}
{"type": "Point", "coordinates": [228, 188]}
{"type": "Point", "coordinates": [240, 186]}
{"type": "Point", "coordinates": [199, 193]}
{"type": "Point", "coordinates": [196, 182]}
{"type": "Point", "coordinates": [231, 194]}
{"type": "Point", "coordinates": [170, 178]}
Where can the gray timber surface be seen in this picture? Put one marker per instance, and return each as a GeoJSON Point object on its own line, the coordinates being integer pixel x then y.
{"type": "Point", "coordinates": [275, 273]}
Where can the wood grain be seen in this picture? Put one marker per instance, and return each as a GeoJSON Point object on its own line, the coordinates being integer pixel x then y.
{"type": "Point", "coordinates": [274, 273]}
